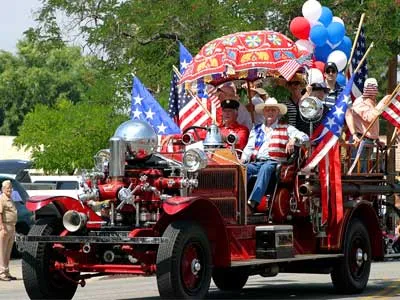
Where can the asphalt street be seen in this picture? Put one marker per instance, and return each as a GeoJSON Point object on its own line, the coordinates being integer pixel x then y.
{"type": "Point", "coordinates": [384, 283]}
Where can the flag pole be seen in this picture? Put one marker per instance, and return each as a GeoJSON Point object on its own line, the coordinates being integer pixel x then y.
{"type": "Point", "coordinates": [198, 100]}
{"type": "Point", "coordinates": [355, 42]}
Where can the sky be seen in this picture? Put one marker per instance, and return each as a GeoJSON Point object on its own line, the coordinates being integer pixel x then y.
{"type": "Point", "coordinates": [16, 16]}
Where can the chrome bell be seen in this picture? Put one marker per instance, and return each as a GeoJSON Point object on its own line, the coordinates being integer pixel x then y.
{"type": "Point", "coordinates": [213, 138]}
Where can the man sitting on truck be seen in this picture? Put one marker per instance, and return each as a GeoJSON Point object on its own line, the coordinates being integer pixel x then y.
{"type": "Point", "coordinates": [269, 144]}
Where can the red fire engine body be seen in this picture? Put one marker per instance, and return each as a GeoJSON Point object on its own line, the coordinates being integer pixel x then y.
{"type": "Point", "coordinates": [184, 217]}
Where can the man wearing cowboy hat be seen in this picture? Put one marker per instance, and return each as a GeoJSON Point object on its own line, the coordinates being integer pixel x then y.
{"type": "Point", "coordinates": [269, 143]}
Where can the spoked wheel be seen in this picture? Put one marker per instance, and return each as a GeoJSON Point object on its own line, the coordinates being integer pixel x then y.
{"type": "Point", "coordinates": [184, 263]}
{"type": "Point", "coordinates": [230, 279]}
{"type": "Point", "coordinates": [41, 280]}
{"type": "Point", "coordinates": [352, 273]}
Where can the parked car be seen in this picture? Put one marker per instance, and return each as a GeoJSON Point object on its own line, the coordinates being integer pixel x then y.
{"type": "Point", "coordinates": [54, 185]}
{"type": "Point", "coordinates": [16, 168]}
{"type": "Point", "coordinates": [25, 217]}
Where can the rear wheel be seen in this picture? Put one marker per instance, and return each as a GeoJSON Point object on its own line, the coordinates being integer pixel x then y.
{"type": "Point", "coordinates": [184, 263]}
{"type": "Point", "coordinates": [352, 273]}
{"type": "Point", "coordinates": [41, 280]}
{"type": "Point", "coordinates": [230, 279]}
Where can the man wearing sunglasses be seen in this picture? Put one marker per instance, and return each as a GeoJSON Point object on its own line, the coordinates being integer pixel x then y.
{"type": "Point", "coordinates": [331, 72]}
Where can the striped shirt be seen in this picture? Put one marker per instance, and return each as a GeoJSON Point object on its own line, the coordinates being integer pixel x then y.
{"type": "Point", "coordinates": [330, 99]}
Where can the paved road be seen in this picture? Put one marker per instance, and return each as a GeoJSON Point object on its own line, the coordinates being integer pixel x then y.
{"type": "Point", "coordinates": [384, 283]}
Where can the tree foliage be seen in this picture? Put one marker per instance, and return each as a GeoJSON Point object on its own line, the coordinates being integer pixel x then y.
{"type": "Point", "coordinates": [65, 138]}
{"type": "Point", "coordinates": [42, 73]}
{"type": "Point", "coordinates": [139, 35]}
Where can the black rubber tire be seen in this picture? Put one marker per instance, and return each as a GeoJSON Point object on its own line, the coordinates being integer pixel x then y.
{"type": "Point", "coordinates": [348, 277]}
{"type": "Point", "coordinates": [230, 279]}
{"type": "Point", "coordinates": [188, 244]}
{"type": "Point", "coordinates": [39, 280]}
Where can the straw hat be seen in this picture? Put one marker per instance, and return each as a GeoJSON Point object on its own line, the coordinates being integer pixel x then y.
{"type": "Point", "coordinates": [271, 102]}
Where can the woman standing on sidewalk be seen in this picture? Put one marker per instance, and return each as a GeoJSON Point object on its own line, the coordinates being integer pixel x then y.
{"type": "Point", "coordinates": [8, 219]}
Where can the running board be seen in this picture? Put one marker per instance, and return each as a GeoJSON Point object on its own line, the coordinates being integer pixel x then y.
{"type": "Point", "coordinates": [391, 256]}
{"type": "Point", "coordinates": [300, 257]}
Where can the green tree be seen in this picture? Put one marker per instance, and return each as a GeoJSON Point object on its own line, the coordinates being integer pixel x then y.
{"type": "Point", "coordinates": [65, 138]}
{"type": "Point", "coordinates": [43, 72]}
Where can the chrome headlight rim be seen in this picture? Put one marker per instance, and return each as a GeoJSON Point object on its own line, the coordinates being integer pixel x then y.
{"type": "Point", "coordinates": [194, 160]}
{"type": "Point", "coordinates": [311, 108]}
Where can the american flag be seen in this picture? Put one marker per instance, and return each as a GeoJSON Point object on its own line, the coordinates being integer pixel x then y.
{"type": "Point", "coordinates": [326, 156]}
{"type": "Point", "coordinates": [290, 68]}
{"type": "Point", "coordinates": [362, 74]}
{"type": "Point", "coordinates": [185, 109]}
{"type": "Point", "coordinates": [144, 107]}
{"type": "Point", "coordinates": [392, 111]}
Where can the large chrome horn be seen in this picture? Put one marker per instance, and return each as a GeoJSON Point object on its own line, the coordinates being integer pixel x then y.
{"type": "Point", "coordinates": [74, 220]}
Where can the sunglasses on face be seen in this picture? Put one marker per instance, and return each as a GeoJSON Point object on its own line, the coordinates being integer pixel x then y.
{"type": "Point", "coordinates": [330, 72]}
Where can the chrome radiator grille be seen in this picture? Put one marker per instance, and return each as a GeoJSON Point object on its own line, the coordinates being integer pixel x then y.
{"type": "Point", "coordinates": [220, 186]}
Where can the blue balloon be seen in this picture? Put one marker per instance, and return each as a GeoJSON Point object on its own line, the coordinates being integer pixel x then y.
{"type": "Point", "coordinates": [341, 79]}
{"type": "Point", "coordinates": [321, 53]}
{"type": "Point", "coordinates": [345, 46]}
{"type": "Point", "coordinates": [336, 32]}
{"type": "Point", "coordinates": [318, 35]}
{"type": "Point", "coordinates": [326, 16]}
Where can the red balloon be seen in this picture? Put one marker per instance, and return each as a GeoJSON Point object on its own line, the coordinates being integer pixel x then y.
{"type": "Point", "coordinates": [319, 65]}
{"type": "Point", "coordinates": [300, 28]}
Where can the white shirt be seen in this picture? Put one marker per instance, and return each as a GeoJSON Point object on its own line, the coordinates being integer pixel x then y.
{"type": "Point", "coordinates": [263, 152]}
{"type": "Point", "coordinates": [244, 117]}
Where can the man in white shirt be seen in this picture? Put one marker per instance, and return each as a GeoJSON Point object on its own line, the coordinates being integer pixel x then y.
{"type": "Point", "coordinates": [269, 143]}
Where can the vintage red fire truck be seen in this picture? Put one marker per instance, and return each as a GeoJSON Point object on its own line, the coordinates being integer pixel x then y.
{"type": "Point", "coordinates": [184, 218]}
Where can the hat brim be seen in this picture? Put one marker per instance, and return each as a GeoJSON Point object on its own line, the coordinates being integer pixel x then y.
{"type": "Point", "coordinates": [259, 108]}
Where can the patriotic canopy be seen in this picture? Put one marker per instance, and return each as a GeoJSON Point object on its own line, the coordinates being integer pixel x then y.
{"type": "Point", "coordinates": [243, 55]}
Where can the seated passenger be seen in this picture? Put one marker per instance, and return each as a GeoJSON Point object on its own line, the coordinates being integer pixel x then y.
{"type": "Point", "coordinates": [230, 125]}
{"type": "Point", "coordinates": [228, 91]}
{"type": "Point", "coordinates": [269, 144]}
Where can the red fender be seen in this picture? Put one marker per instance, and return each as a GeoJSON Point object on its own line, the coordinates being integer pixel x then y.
{"type": "Point", "coordinates": [63, 203]}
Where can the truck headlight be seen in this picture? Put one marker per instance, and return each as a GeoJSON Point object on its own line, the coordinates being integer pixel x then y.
{"type": "Point", "coordinates": [311, 108]}
{"type": "Point", "coordinates": [194, 160]}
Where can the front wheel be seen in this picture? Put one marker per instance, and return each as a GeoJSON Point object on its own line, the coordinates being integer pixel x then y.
{"type": "Point", "coordinates": [352, 273]}
{"type": "Point", "coordinates": [184, 262]}
{"type": "Point", "coordinates": [41, 280]}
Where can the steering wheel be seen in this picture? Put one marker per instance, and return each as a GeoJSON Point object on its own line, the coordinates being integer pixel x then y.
{"type": "Point", "coordinates": [195, 130]}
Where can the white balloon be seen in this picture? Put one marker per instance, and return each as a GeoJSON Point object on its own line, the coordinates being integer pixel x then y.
{"type": "Point", "coordinates": [312, 10]}
{"type": "Point", "coordinates": [305, 45]}
{"type": "Point", "coordinates": [315, 76]}
{"type": "Point", "coordinates": [337, 19]}
{"type": "Point", "coordinates": [339, 58]}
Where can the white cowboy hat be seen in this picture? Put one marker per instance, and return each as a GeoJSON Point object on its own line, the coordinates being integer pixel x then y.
{"type": "Point", "coordinates": [271, 102]}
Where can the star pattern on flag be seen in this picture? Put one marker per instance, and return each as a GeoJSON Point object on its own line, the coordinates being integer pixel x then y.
{"type": "Point", "coordinates": [362, 73]}
{"type": "Point", "coordinates": [144, 107]}
{"type": "Point", "coordinates": [138, 100]}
